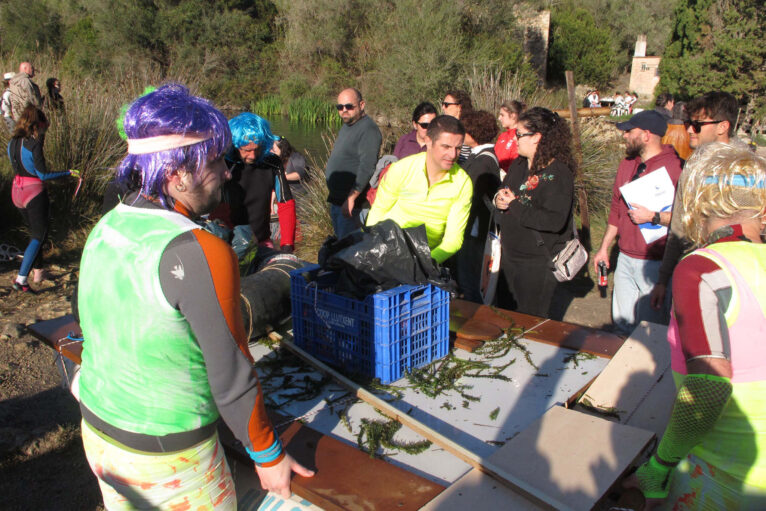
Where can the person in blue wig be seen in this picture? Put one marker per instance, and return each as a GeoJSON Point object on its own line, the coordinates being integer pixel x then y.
{"type": "Point", "coordinates": [257, 175]}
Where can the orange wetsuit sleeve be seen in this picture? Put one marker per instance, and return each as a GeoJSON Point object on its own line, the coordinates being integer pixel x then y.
{"type": "Point", "coordinates": [208, 295]}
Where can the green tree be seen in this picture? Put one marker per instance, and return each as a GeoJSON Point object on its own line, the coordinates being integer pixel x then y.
{"type": "Point", "coordinates": [83, 55]}
{"type": "Point", "coordinates": [580, 45]}
{"type": "Point", "coordinates": [627, 20]}
{"type": "Point", "coordinates": [29, 27]}
{"type": "Point", "coordinates": [717, 45]}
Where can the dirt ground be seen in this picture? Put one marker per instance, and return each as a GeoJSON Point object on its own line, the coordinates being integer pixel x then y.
{"type": "Point", "coordinates": [42, 464]}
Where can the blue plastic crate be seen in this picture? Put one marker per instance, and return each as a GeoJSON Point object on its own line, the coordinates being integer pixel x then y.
{"type": "Point", "coordinates": [383, 336]}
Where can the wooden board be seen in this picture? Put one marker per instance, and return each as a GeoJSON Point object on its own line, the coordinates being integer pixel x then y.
{"type": "Point", "coordinates": [346, 477]}
{"type": "Point", "coordinates": [576, 472]}
{"type": "Point", "coordinates": [470, 320]}
{"type": "Point", "coordinates": [636, 386]}
{"type": "Point", "coordinates": [54, 332]}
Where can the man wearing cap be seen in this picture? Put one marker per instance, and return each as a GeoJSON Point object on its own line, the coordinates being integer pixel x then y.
{"type": "Point", "coordinates": [24, 91]}
{"type": "Point", "coordinates": [6, 103]}
{"type": "Point", "coordinates": [638, 262]}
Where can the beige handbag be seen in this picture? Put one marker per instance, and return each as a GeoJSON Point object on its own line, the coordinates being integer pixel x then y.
{"type": "Point", "coordinates": [570, 260]}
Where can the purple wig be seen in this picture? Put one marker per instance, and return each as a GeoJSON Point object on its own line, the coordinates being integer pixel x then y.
{"type": "Point", "coordinates": [171, 110]}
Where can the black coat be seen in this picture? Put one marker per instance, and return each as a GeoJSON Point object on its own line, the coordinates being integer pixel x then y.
{"type": "Point", "coordinates": [545, 208]}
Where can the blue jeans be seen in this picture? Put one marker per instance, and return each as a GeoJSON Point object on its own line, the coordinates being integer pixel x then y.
{"type": "Point", "coordinates": [342, 225]}
{"type": "Point", "coordinates": [633, 282]}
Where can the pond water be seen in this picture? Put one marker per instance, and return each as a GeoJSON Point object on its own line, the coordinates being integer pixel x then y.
{"type": "Point", "coordinates": [306, 138]}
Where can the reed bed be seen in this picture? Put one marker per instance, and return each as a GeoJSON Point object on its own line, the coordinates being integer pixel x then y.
{"type": "Point", "coordinates": [268, 106]}
{"type": "Point", "coordinates": [304, 109]}
{"type": "Point", "coordinates": [312, 207]}
{"type": "Point", "coordinates": [490, 88]}
{"type": "Point", "coordinates": [310, 110]}
{"type": "Point", "coordinates": [83, 136]}
{"type": "Point", "coordinates": [602, 150]}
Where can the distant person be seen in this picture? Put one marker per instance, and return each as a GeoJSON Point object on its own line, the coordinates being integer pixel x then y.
{"type": "Point", "coordinates": [351, 163]}
{"type": "Point", "coordinates": [712, 118]}
{"type": "Point", "coordinates": [483, 169]}
{"type": "Point", "coordinates": [507, 147]}
{"type": "Point", "coordinates": [535, 205]}
{"type": "Point", "coordinates": [639, 262]}
{"type": "Point", "coordinates": [294, 163]}
{"type": "Point", "coordinates": [629, 100]}
{"type": "Point", "coordinates": [6, 103]}
{"type": "Point", "coordinates": [53, 100]}
{"type": "Point", "coordinates": [664, 105]}
{"type": "Point", "coordinates": [711, 454]}
{"type": "Point", "coordinates": [456, 103]}
{"type": "Point", "coordinates": [429, 188]}
{"type": "Point", "coordinates": [29, 193]}
{"type": "Point", "coordinates": [24, 91]}
{"type": "Point", "coordinates": [256, 172]}
{"type": "Point", "coordinates": [619, 108]}
{"type": "Point", "coordinates": [593, 99]}
{"type": "Point", "coordinates": [414, 141]}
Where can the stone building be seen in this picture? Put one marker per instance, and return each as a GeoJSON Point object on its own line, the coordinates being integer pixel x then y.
{"type": "Point", "coordinates": [645, 71]}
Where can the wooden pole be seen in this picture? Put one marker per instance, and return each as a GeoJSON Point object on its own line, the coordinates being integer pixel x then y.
{"type": "Point", "coordinates": [464, 454]}
{"type": "Point", "coordinates": [582, 195]}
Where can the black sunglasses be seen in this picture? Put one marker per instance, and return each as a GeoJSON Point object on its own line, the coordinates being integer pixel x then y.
{"type": "Point", "coordinates": [445, 104]}
{"type": "Point", "coordinates": [697, 125]}
{"type": "Point", "coordinates": [347, 106]}
{"type": "Point", "coordinates": [424, 125]}
{"type": "Point", "coordinates": [519, 136]}
{"type": "Point", "coordinates": [639, 171]}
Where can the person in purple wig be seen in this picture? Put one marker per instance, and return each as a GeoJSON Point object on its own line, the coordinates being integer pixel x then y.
{"type": "Point", "coordinates": [165, 352]}
{"type": "Point", "coordinates": [171, 110]}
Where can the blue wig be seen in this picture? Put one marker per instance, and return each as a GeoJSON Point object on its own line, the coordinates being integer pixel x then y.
{"type": "Point", "coordinates": [171, 110]}
{"type": "Point", "coordinates": [249, 128]}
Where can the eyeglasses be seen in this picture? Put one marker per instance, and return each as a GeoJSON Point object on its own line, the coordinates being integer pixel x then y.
{"type": "Point", "coordinates": [424, 125]}
{"type": "Point", "coordinates": [697, 125]}
{"type": "Point", "coordinates": [347, 106]}
{"type": "Point", "coordinates": [519, 136]}
{"type": "Point", "coordinates": [446, 104]}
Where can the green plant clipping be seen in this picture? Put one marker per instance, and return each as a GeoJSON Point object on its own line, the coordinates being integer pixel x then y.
{"type": "Point", "coordinates": [375, 434]}
{"type": "Point", "coordinates": [493, 413]}
{"type": "Point", "coordinates": [577, 357]}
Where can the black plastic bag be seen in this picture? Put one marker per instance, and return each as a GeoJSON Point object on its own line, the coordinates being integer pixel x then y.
{"type": "Point", "coordinates": [381, 257]}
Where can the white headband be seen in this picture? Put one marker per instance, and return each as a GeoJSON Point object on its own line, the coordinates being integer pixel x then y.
{"type": "Point", "coordinates": [164, 142]}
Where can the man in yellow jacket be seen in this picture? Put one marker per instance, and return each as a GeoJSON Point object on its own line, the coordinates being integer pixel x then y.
{"type": "Point", "coordinates": [429, 188]}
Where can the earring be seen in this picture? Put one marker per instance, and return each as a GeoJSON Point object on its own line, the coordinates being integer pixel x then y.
{"type": "Point", "coordinates": [180, 188]}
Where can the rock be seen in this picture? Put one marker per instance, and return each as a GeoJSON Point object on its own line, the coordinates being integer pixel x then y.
{"type": "Point", "coordinates": [13, 330]}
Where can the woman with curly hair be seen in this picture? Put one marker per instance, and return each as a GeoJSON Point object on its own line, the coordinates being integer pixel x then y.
{"type": "Point", "coordinates": [482, 167]}
{"type": "Point", "coordinates": [713, 452]}
{"type": "Point", "coordinates": [535, 204]}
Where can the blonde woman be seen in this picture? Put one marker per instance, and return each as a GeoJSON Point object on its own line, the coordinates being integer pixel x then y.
{"type": "Point", "coordinates": [713, 452]}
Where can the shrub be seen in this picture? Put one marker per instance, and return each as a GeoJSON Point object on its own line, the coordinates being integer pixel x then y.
{"type": "Point", "coordinates": [579, 45]}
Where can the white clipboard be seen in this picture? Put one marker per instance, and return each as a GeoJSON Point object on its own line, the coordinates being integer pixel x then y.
{"type": "Point", "coordinates": [655, 191]}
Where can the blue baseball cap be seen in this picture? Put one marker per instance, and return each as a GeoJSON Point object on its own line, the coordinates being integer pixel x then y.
{"type": "Point", "coordinates": [649, 120]}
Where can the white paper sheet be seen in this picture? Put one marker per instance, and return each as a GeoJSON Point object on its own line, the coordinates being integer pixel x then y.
{"type": "Point", "coordinates": [654, 191]}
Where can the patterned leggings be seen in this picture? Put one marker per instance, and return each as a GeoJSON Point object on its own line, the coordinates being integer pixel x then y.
{"type": "Point", "coordinates": [196, 478]}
